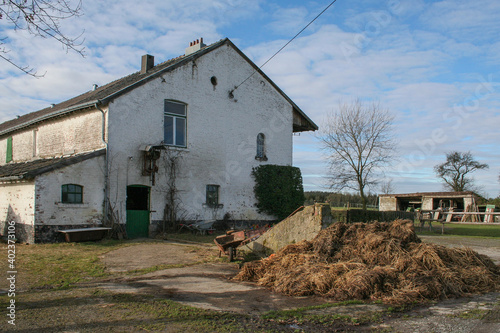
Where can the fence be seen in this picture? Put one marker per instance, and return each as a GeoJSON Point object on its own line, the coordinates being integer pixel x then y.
{"type": "Point", "coordinates": [360, 215]}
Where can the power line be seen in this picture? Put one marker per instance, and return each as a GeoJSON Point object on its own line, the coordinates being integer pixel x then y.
{"type": "Point", "coordinates": [301, 31]}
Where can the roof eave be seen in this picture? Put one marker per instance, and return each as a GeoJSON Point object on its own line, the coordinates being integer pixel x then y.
{"type": "Point", "coordinates": [49, 116]}
{"type": "Point", "coordinates": [11, 178]}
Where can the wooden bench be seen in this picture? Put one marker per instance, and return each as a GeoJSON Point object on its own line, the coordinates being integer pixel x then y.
{"type": "Point", "coordinates": [84, 234]}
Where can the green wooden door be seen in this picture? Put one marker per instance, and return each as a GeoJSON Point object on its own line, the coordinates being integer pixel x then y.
{"type": "Point", "coordinates": [137, 211]}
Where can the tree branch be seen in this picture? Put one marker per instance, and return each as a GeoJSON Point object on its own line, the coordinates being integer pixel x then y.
{"type": "Point", "coordinates": [40, 18]}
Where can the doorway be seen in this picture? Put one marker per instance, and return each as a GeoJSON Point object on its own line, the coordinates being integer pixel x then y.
{"type": "Point", "coordinates": [138, 211]}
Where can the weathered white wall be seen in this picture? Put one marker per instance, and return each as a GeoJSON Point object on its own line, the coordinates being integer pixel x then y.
{"type": "Point", "coordinates": [75, 133]}
{"type": "Point", "coordinates": [221, 134]}
{"type": "Point", "coordinates": [468, 201]}
{"type": "Point", "coordinates": [17, 202]}
{"type": "Point", "coordinates": [49, 208]}
{"type": "Point", "coordinates": [388, 204]}
{"type": "Point", "coordinates": [3, 149]}
{"type": "Point", "coordinates": [427, 203]}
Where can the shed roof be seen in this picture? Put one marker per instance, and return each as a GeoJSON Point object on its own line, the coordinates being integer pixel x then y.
{"type": "Point", "coordinates": [431, 194]}
{"type": "Point", "coordinates": [106, 93]}
{"type": "Point", "coordinates": [31, 169]}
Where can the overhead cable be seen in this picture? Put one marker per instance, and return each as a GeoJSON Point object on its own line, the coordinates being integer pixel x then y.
{"type": "Point", "coordinates": [324, 10]}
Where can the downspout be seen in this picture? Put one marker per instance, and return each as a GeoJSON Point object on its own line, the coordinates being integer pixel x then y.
{"type": "Point", "coordinates": [106, 171]}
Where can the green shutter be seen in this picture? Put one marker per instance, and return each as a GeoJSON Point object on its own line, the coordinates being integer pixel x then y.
{"type": "Point", "coordinates": [9, 150]}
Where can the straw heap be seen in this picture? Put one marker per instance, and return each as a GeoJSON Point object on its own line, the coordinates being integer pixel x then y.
{"type": "Point", "coordinates": [375, 261]}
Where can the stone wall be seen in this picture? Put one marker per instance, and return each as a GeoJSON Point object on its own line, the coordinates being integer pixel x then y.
{"type": "Point", "coordinates": [303, 225]}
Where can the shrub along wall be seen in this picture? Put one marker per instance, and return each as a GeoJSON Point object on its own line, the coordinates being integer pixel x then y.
{"type": "Point", "coordinates": [278, 189]}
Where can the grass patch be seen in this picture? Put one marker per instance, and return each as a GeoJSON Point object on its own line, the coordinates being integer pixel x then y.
{"type": "Point", "coordinates": [471, 314]}
{"type": "Point", "coordinates": [61, 265]}
{"type": "Point", "coordinates": [473, 230]}
{"type": "Point", "coordinates": [95, 310]}
{"type": "Point", "coordinates": [162, 313]}
{"type": "Point", "coordinates": [476, 230]}
{"type": "Point", "coordinates": [310, 314]}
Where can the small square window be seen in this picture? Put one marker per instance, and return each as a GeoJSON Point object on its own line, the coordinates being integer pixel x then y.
{"type": "Point", "coordinates": [72, 193]}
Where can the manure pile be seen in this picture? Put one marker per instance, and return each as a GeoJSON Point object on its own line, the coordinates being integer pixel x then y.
{"type": "Point", "coordinates": [375, 261]}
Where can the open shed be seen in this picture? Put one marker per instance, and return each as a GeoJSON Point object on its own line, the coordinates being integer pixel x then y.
{"type": "Point", "coordinates": [426, 201]}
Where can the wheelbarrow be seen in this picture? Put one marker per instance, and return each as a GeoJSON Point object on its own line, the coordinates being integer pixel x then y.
{"type": "Point", "coordinates": [228, 243]}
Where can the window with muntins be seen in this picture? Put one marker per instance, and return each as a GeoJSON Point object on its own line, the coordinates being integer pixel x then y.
{"type": "Point", "coordinates": [212, 195]}
{"type": "Point", "coordinates": [72, 193]}
{"type": "Point", "coordinates": [261, 147]}
{"type": "Point", "coordinates": [175, 120]}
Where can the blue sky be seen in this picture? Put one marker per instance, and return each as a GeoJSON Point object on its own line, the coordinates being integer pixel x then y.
{"type": "Point", "coordinates": [433, 64]}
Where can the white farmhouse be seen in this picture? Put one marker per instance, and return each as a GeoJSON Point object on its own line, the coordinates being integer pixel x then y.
{"type": "Point", "coordinates": [183, 133]}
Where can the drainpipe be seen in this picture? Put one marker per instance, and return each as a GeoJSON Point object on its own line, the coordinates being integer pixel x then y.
{"type": "Point", "coordinates": [106, 171]}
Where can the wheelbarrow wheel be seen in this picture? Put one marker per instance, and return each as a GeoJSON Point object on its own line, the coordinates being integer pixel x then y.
{"type": "Point", "coordinates": [231, 253]}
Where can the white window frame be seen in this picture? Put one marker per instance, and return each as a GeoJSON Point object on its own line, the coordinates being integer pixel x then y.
{"type": "Point", "coordinates": [176, 117]}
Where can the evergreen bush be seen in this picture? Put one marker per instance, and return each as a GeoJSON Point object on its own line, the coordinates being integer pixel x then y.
{"type": "Point", "coordinates": [278, 189]}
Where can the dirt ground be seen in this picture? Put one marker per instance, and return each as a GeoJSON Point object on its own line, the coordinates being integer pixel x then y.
{"type": "Point", "coordinates": [209, 286]}
{"type": "Point", "coordinates": [143, 256]}
{"type": "Point", "coordinates": [204, 285]}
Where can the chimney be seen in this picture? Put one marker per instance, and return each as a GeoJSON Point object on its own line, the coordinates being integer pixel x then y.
{"type": "Point", "coordinates": [148, 62]}
{"type": "Point", "coordinates": [195, 46]}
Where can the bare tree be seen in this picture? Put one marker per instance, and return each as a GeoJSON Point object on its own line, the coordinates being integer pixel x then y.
{"type": "Point", "coordinates": [40, 18]}
{"type": "Point", "coordinates": [386, 187]}
{"type": "Point", "coordinates": [359, 142]}
{"type": "Point", "coordinates": [454, 172]}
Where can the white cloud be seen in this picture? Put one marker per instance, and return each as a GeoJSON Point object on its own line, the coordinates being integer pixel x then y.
{"type": "Point", "coordinates": [424, 61]}
{"type": "Point", "coordinates": [286, 21]}
{"type": "Point", "coordinates": [466, 20]}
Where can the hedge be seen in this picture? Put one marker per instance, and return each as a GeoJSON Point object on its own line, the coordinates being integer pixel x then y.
{"type": "Point", "coordinates": [278, 189]}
